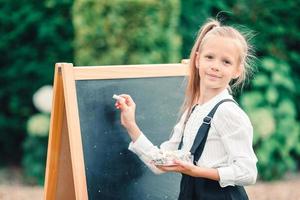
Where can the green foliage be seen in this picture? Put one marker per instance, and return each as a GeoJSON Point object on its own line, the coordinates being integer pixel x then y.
{"type": "Point", "coordinates": [34, 159]}
{"type": "Point", "coordinates": [34, 35]}
{"type": "Point", "coordinates": [193, 14]}
{"type": "Point", "coordinates": [271, 98]}
{"type": "Point", "coordinates": [35, 148]}
{"type": "Point", "coordinates": [126, 32]}
{"type": "Point", "coordinates": [272, 110]}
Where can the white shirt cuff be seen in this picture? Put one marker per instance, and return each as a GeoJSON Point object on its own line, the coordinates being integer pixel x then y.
{"type": "Point", "coordinates": [141, 147]}
{"type": "Point", "coordinates": [142, 144]}
{"type": "Point", "coordinates": [226, 176]}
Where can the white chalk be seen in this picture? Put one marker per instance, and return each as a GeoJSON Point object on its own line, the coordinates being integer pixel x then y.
{"type": "Point", "coordinates": [117, 97]}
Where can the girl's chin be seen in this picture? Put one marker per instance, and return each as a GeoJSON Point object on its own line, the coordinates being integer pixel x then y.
{"type": "Point", "coordinates": [214, 86]}
{"type": "Point", "coordinates": [212, 81]}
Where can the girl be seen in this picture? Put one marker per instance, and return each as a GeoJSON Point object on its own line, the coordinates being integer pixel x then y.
{"type": "Point", "coordinates": [212, 127]}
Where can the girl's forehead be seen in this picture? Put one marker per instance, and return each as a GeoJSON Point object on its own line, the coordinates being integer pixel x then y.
{"type": "Point", "coordinates": [221, 44]}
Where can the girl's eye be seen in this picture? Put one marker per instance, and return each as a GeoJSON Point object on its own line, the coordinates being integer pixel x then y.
{"type": "Point", "coordinates": [208, 57]}
{"type": "Point", "coordinates": [227, 62]}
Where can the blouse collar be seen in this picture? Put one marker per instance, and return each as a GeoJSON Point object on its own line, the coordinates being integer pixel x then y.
{"type": "Point", "coordinates": [213, 101]}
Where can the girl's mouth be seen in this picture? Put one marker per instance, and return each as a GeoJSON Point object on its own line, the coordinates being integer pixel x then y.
{"type": "Point", "coordinates": [213, 75]}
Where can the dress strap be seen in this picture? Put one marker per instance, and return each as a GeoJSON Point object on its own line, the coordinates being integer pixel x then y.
{"type": "Point", "coordinates": [202, 133]}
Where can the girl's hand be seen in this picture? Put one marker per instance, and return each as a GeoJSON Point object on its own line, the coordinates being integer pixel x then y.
{"type": "Point", "coordinates": [127, 107]}
{"type": "Point", "coordinates": [181, 167]}
{"type": "Point", "coordinates": [192, 170]}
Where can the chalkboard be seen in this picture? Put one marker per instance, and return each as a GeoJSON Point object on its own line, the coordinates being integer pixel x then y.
{"type": "Point", "coordinates": [88, 147]}
{"type": "Point", "coordinates": [112, 171]}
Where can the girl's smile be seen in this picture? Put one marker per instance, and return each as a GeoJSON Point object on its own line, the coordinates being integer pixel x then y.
{"type": "Point", "coordinates": [213, 76]}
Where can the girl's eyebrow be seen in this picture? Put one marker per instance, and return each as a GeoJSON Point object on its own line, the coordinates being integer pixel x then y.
{"type": "Point", "coordinates": [230, 58]}
{"type": "Point", "coordinates": [208, 52]}
{"type": "Point", "coordinates": [227, 58]}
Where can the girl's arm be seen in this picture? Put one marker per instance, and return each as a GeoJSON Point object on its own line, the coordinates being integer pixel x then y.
{"type": "Point", "coordinates": [140, 144]}
{"type": "Point", "coordinates": [192, 170]}
{"type": "Point", "coordinates": [236, 133]}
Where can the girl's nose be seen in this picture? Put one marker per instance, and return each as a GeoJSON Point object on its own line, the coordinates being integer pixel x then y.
{"type": "Point", "coordinates": [215, 66]}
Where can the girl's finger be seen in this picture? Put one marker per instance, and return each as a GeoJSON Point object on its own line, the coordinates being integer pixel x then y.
{"type": "Point", "coordinates": [169, 168]}
{"type": "Point", "coordinates": [161, 168]}
{"type": "Point", "coordinates": [128, 99]}
{"type": "Point", "coordinates": [122, 105]}
{"type": "Point", "coordinates": [178, 162]}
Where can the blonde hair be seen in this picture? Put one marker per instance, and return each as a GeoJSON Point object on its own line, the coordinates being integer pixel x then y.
{"type": "Point", "coordinates": [209, 29]}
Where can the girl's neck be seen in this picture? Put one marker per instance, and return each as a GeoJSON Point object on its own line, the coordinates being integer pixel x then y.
{"type": "Point", "coordinates": [207, 94]}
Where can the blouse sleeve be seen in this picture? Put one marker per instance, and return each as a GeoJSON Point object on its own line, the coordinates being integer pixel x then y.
{"type": "Point", "coordinates": [236, 132]}
{"type": "Point", "coordinates": [144, 148]}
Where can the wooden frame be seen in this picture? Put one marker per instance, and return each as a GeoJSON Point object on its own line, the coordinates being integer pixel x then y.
{"type": "Point", "coordinates": [65, 162]}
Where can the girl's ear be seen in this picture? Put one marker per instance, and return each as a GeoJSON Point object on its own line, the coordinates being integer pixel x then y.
{"type": "Point", "coordinates": [197, 59]}
{"type": "Point", "coordinates": [238, 72]}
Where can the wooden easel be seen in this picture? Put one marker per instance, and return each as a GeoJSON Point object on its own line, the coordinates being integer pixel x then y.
{"type": "Point", "coordinates": [65, 172]}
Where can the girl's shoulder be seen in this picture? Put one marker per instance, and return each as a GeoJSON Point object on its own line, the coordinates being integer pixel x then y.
{"type": "Point", "coordinates": [229, 118]}
{"type": "Point", "coordinates": [231, 110]}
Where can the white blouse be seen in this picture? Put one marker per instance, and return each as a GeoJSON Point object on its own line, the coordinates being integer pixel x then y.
{"type": "Point", "coordinates": [228, 146]}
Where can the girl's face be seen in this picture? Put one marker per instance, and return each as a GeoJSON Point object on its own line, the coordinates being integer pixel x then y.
{"type": "Point", "coordinates": [218, 62]}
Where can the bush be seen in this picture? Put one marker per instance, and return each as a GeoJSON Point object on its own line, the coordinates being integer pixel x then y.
{"type": "Point", "coordinates": [35, 144]}
{"type": "Point", "coordinates": [35, 148]}
{"type": "Point", "coordinates": [126, 32]}
{"type": "Point", "coordinates": [34, 35]}
{"type": "Point", "coordinates": [273, 113]}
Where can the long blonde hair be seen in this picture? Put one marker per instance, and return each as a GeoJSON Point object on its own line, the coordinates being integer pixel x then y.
{"type": "Point", "coordinates": [214, 28]}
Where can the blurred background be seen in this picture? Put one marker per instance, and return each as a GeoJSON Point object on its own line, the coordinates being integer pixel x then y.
{"type": "Point", "coordinates": [36, 34]}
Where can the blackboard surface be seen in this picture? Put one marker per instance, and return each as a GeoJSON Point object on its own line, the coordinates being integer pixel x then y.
{"type": "Point", "coordinates": [112, 171]}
